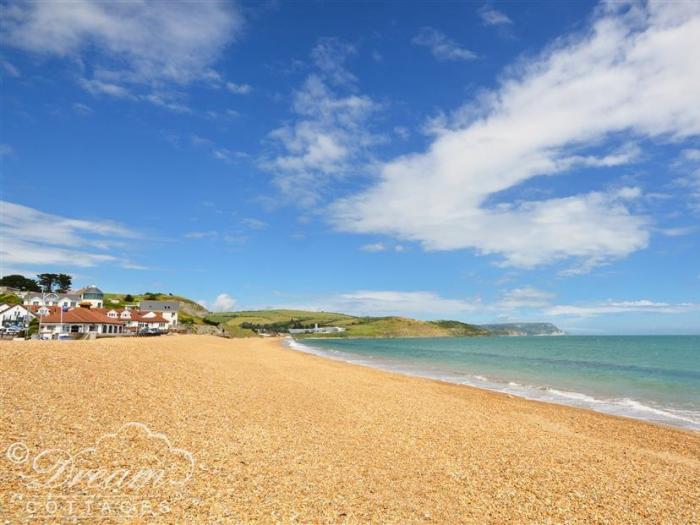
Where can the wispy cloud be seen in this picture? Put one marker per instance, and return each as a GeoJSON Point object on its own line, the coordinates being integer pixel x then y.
{"type": "Point", "coordinates": [585, 93]}
{"type": "Point", "coordinates": [385, 302]}
{"type": "Point", "coordinates": [618, 307]}
{"type": "Point", "coordinates": [373, 247]}
{"type": "Point", "coordinates": [210, 234]}
{"type": "Point", "coordinates": [442, 47]}
{"type": "Point", "coordinates": [238, 89]}
{"type": "Point", "coordinates": [524, 297]}
{"type": "Point", "coordinates": [328, 137]}
{"type": "Point", "coordinates": [32, 237]}
{"type": "Point", "coordinates": [126, 49]}
{"type": "Point", "coordinates": [493, 17]}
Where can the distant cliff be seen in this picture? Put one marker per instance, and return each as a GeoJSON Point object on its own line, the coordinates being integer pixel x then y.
{"type": "Point", "coordinates": [519, 329]}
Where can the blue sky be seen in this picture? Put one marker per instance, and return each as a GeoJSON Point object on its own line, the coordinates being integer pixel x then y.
{"type": "Point", "coordinates": [477, 161]}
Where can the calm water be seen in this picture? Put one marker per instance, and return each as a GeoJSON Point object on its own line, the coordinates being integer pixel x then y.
{"type": "Point", "coordinates": [655, 378]}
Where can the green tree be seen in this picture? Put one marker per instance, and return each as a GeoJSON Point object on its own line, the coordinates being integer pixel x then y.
{"type": "Point", "coordinates": [47, 281]}
{"type": "Point", "coordinates": [128, 298]}
{"type": "Point", "coordinates": [63, 282]}
{"type": "Point", "coordinates": [33, 327]}
{"type": "Point", "coordinates": [21, 282]}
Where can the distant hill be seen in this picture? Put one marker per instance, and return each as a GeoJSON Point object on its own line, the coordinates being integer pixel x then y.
{"type": "Point", "coordinates": [241, 324]}
{"type": "Point", "coordinates": [247, 323]}
{"type": "Point", "coordinates": [520, 329]}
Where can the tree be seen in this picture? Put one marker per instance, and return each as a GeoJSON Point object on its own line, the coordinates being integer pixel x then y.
{"type": "Point", "coordinates": [47, 281]}
{"type": "Point", "coordinates": [128, 298]}
{"type": "Point", "coordinates": [64, 282]}
{"type": "Point", "coordinates": [21, 282]}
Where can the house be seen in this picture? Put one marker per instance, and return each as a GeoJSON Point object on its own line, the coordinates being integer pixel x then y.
{"type": "Point", "coordinates": [68, 300]}
{"type": "Point", "coordinates": [167, 309]}
{"type": "Point", "coordinates": [16, 314]}
{"type": "Point", "coordinates": [90, 294]}
{"type": "Point", "coordinates": [41, 311]}
{"type": "Point", "coordinates": [317, 330]}
{"type": "Point", "coordinates": [135, 320]}
{"type": "Point", "coordinates": [80, 320]}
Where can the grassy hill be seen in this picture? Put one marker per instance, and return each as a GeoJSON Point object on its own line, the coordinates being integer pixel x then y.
{"type": "Point", "coordinates": [245, 323]}
{"type": "Point", "coordinates": [190, 311]}
{"type": "Point", "coordinates": [242, 324]}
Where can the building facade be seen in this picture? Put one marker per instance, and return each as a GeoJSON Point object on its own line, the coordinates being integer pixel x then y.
{"type": "Point", "coordinates": [167, 309]}
{"type": "Point", "coordinates": [80, 321]}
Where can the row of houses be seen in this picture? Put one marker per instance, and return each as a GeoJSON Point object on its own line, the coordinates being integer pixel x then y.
{"type": "Point", "coordinates": [83, 312]}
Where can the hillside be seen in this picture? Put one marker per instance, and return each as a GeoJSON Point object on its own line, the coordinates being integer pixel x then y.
{"type": "Point", "coordinates": [242, 324]}
{"type": "Point", "coordinates": [247, 323]}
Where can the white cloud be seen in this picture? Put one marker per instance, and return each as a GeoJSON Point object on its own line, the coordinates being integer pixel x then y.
{"type": "Point", "coordinates": [442, 47]}
{"type": "Point", "coordinates": [689, 163]}
{"type": "Point", "coordinates": [373, 247]}
{"type": "Point", "coordinates": [9, 69]}
{"type": "Point", "coordinates": [223, 303]}
{"type": "Point", "coordinates": [329, 56]}
{"type": "Point", "coordinates": [82, 109]}
{"type": "Point", "coordinates": [238, 89]}
{"type": "Point", "coordinates": [122, 45]}
{"type": "Point", "coordinates": [329, 137]}
{"type": "Point", "coordinates": [493, 17]}
{"type": "Point", "coordinates": [32, 237]}
{"type": "Point", "coordinates": [617, 307]}
{"type": "Point", "coordinates": [525, 297]}
{"type": "Point", "coordinates": [385, 303]}
{"type": "Point", "coordinates": [629, 73]}
{"type": "Point", "coordinates": [211, 234]}
{"type": "Point", "coordinates": [254, 224]}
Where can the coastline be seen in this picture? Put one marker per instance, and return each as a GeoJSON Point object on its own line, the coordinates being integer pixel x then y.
{"type": "Point", "coordinates": [626, 407]}
{"type": "Point", "coordinates": [281, 435]}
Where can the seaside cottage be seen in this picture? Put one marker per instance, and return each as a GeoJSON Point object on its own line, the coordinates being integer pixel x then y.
{"type": "Point", "coordinates": [15, 315]}
{"type": "Point", "coordinates": [80, 321]}
{"type": "Point", "coordinates": [90, 295]}
{"type": "Point", "coordinates": [167, 309]}
{"type": "Point", "coordinates": [137, 320]}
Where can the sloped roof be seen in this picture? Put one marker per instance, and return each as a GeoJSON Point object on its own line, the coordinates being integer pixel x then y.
{"type": "Point", "coordinates": [80, 315]}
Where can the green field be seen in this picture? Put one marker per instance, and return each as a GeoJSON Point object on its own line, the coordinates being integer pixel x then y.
{"type": "Point", "coordinates": [249, 323]}
{"type": "Point", "coordinates": [237, 324]}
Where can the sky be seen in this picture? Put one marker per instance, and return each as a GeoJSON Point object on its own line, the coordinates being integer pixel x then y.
{"type": "Point", "coordinates": [486, 162]}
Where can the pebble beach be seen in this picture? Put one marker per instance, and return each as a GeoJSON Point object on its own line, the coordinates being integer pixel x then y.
{"type": "Point", "coordinates": [254, 432]}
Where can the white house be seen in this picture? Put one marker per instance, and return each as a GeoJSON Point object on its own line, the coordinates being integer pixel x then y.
{"type": "Point", "coordinates": [15, 315]}
{"type": "Point", "coordinates": [168, 309]}
{"type": "Point", "coordinates": [80, 320]}
{"type": "Point", "coordinates": [68, 300]}
{"type": "Point", "coordinates": [317, 330]}
{"type": "Point", "coordinates": [135, 320]}
{"type": "Point", "coordinates": [90, 294]}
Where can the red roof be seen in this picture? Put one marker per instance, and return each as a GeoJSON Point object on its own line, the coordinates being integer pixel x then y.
{"type": "Point", "coordinates": [136, 315]}
{"type": "Point", "coordinates": [35, 308]}
{"type": "Point", "coordinates": [80, 315]}
{"type": "Point", "coordinates": [140, 317]}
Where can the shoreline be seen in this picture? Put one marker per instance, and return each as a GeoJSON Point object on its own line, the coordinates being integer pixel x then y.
{"type": "Point", "coordinates": [555, 396]}
{"type": "Point", "coordinates": [283, 436]}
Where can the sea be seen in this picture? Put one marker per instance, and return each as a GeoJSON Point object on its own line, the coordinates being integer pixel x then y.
{"type": "Point", "coordinates": [654, 378]}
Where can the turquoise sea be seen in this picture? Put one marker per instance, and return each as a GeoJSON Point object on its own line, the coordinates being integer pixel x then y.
{"type": "Point", "coordinates": [656, 378]}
